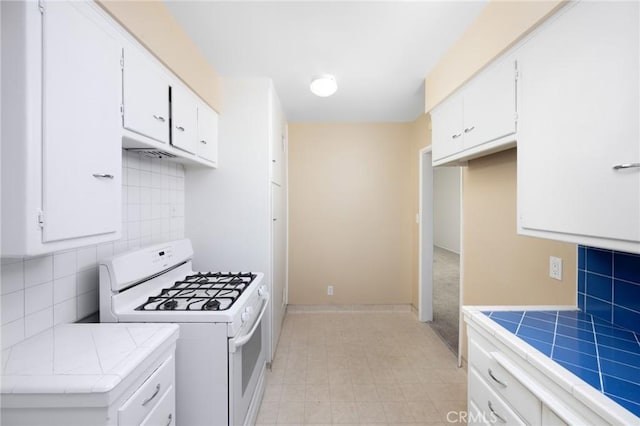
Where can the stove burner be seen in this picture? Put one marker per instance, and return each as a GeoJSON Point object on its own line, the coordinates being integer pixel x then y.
{"type": "Point", "coordinates": [170, 305]}
{"type": "Point", "coordinates": [201, 292]}
{"type": "Point", "coordinates": [211, 305]}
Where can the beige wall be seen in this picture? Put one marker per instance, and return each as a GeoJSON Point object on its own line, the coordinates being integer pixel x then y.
{"type": "Point", "coordinates": [152, 24]}
{"type": "Point", "coordinates": [351, 213]}
{"type": "Point", "coordinates": [501, 267]}
{"type": "Point", "coordinates": [500, 24]}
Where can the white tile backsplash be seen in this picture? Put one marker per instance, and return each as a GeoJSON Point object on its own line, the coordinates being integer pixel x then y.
{"type": "Point", "coordinates": [37, 322]}
{"type": "Point", "coordinates": [63, 287]}
{"type": "Point", "coordinates": [38, 298]}
{"type": "Point", "coordinates": [12, 306]}
{"type": "Point", "coordinates": [64, 264]}
{"type": "Point", "coordinates": [12, 277]}
{"type": "Point", "coordinates": [38, 270]}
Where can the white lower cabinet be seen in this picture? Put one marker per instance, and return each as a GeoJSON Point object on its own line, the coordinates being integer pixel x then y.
{"type": "Point", "coordinates": [579, 132]}
{"type": "Point", "coordinates": [511, 383]}
{"type": "Point", "coordinates": [92, 374]}
{"type": "Point", "coordinates": [61, 128]}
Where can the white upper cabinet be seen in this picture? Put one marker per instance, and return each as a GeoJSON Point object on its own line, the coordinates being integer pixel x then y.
{"type": "Point", "coordinates": [278, 140]}
{"type": "Point", "coordinates": [447, 127]}
{"type": "Point", "coordinates": [146, 96]}
{"type": "Point", "coordinates": [207, 140]}
{"type": "Point", "coordinates": [480, 118]}
{"type": "Point", "coordinates": [61, 153]}
{"type": "Point", "coordinates": [579, 140]}
{"type": "Point", "coordinates": [184, 119]}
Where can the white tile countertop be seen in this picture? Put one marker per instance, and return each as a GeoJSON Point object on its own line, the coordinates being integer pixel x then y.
{"type": "Point", "coordinates": [92, 361]}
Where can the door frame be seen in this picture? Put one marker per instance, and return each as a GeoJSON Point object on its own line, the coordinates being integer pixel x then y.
{"type": "Point", "coordinates": [425, 244]}
{"type": "Point", "coordinates": [425, 236]}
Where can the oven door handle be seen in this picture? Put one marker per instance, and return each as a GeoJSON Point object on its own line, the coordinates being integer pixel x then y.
{"type": "Point", "coordinates": [235, 344]}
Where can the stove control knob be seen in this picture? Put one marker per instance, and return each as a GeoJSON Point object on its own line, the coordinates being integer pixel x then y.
{"type": "Point", "coordinates": [245, 316]}
{"type": "Point", "coordinates": [261, 291]}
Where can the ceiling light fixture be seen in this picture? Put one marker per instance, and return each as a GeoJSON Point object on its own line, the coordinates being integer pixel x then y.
{"type": "Point", "coordinates": [324, 85]}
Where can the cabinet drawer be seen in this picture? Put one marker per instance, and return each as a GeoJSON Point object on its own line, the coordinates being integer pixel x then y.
{"type": "Point", "coordinates": [163, 414]}
{"type": "Point", "coordinates": [494, 409]}
{"type": "Point", "coordinates": [146, 397]}
{"type": "Point", "coordinates": [503, 382]}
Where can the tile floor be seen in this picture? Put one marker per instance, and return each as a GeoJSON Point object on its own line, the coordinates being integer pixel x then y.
{"type": "Point", "coordinates": [382, 368]}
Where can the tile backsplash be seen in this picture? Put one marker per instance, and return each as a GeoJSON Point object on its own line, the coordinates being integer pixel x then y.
{"type": "Point", "coordinates": [62, 287]}
{"type": "Point", "coordinates": [609, 286]}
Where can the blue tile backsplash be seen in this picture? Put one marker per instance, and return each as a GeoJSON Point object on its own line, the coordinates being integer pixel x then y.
{"type": "Point", "coordinates": [609, 286]}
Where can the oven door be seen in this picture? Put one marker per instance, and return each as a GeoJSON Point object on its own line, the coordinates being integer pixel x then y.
{"type": "Point", "coordinates": [247, 360]}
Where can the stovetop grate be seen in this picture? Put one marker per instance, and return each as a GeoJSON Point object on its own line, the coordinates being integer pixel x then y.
{"type": "Point", "coordinates": [211, 291]}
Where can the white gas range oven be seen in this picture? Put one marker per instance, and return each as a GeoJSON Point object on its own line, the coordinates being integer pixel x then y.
{"type": "Point", "coordinates": [221, 352]}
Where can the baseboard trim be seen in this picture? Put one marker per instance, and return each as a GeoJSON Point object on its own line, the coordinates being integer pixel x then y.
{"type": "Point", "coordinates": [298, 309]}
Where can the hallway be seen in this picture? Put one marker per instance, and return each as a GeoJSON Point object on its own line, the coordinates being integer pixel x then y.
{"type": "Point", "coordinates": [382, 368]}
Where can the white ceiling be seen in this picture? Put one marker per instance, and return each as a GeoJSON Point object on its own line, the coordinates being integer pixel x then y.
{"type": "Point", "coordinates": [379, 52]}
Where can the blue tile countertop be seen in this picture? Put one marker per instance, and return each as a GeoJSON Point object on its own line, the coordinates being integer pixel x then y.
{"type": "Point", "coordinates": [602, 354]}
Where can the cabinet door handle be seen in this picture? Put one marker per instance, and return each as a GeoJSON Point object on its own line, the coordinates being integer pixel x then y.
{"type": "Point", "coordinates": [159, 118]}
{"type": "Point", "coordinates": [498, 416]}
{"type": "Point", "coordinates": [626, 166]}
{"type": "Point", "coordinates": [456, 136]}
{"type": "Point", "coordinates": [170, 418]}
{"type": "Point", "coordinates": [102, 175]}
{"type": "Point", "coordinates": [501, 383]}
{"type": "Point", "coordinates": [274, 219]}
{"type": "Point", "coordinates": [203, 141]}
{"type": "Point", "coordinates": [148, 400]}
{"type": "Point", "coordinates": [180, 128]}
{"type": "Point", "coordinates": [468, 129]}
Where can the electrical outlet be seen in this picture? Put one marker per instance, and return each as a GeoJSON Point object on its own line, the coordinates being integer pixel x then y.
{"type": "Point", "coordinates": [555, 268]}
{"type": "Point", "coordinates": [330, 290]}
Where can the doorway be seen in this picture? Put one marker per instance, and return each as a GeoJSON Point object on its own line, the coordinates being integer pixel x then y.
{"type": "Point", "coordinates": [440, 249]}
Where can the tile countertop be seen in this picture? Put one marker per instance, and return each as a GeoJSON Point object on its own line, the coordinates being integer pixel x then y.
{"type": "Point", "coordinates": [604, 356]}
{"type": "Point", "coordinates": [81, 359]}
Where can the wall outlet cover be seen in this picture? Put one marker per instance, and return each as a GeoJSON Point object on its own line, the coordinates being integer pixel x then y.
{"type": "Point", "coordinates": [555, 268]}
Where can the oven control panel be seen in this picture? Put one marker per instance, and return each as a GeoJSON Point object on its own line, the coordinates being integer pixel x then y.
{"type": "Point", "coordinates": [162, 256]}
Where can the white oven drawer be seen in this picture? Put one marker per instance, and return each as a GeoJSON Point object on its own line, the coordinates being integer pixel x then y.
{"type": "Point", "coordinates": [501, 381]}
{"type": "Point", "coordinates": [163, 414]}
{"type": "Point", "coordinates": [146, 397]}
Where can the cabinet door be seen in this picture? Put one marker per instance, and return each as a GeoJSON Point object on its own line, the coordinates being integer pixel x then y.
{"type": "Point", "coordinates": [447, 131]}
{"type": "Point", "coordinates": [146, 97]}
{"type": "Point", "coordinates": [184, 119]}
{"type": "Point", "coordinates": [81, 124]}
{"type": "Point", "coordinates": [207, 145]}
{"type": "Point", "coordinates": [579, 119]}
{"type": "Point", "coordinates": [278, 141]}
{"type": "Point", "coordinates": [279, 258]}
{"type": "Point", "coordinates": [490, 105]}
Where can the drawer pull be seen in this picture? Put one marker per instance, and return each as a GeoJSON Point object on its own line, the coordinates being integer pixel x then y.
{"type": "Point", "coordinates": [159, 118]}
{"type": "Point", "coordinates": [148, 400]}
{"type": "Point", "coordinates": [501, 383]}
{"type": "Point", "coordinates": [469, 129]}
{"type": "Point", "coordinates": [497, 416]}
{"type": "Point", "coordinates": [626, 166]}
{"type": "Point", "coordinates": [456, 136]}
{"type": "Point", "coordinates": [170, 418]}
{"type": "Point", "coordinates": [102, 175]}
